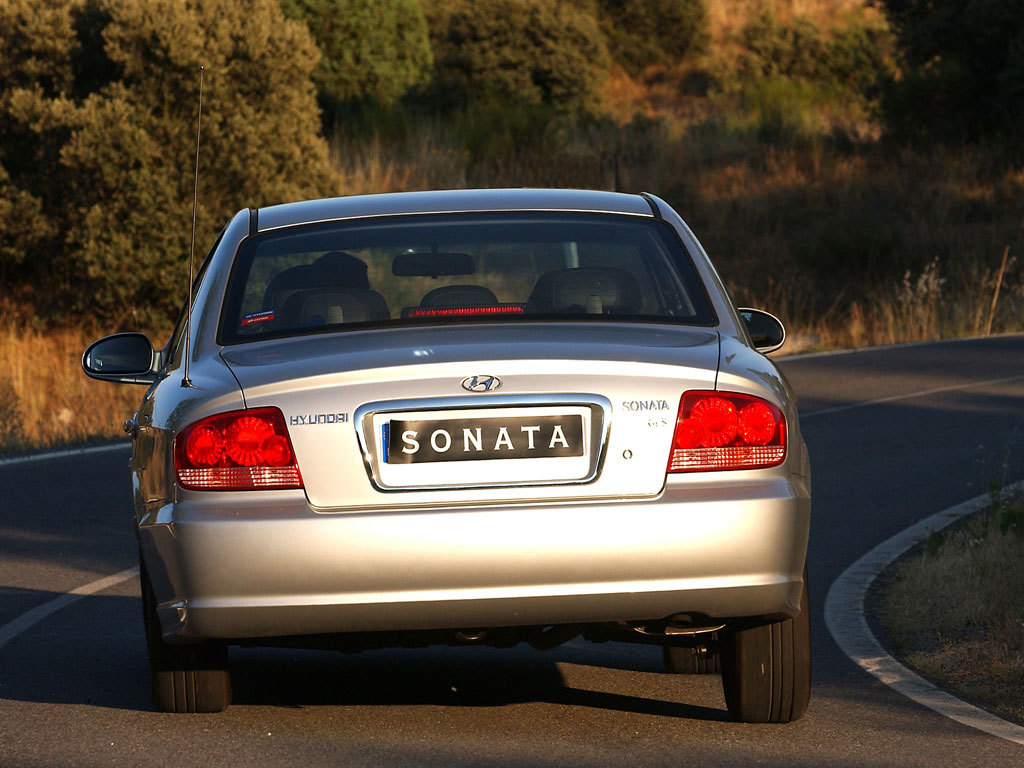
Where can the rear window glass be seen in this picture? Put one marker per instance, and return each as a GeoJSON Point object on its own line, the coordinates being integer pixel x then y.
{"type": "Point", "coordinates": [415, 270]}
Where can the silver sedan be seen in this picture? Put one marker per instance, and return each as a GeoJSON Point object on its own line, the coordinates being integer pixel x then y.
{"type": "Point", "coordinates": [468, 417]}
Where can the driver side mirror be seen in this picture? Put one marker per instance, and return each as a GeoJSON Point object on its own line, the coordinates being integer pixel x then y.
{"type": "Point", "coordinates": [765, 329]}
{"type": "Point", "coordinates": [126, 358]}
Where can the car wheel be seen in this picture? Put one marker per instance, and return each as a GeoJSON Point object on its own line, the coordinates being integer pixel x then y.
{"type": "Point", "coordinates": [766, 670]}
{"type": "Point", "coordinates": [687, 661]}
{"type": "Point", "coordinates": [185, 678]}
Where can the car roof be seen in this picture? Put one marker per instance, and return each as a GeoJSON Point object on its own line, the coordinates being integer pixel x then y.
{"type": "Point", "coordinates": [451, 201]}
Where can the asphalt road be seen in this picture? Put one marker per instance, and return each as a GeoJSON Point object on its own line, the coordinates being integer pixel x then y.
{"type": "Point", "coordinates": [74, 689]}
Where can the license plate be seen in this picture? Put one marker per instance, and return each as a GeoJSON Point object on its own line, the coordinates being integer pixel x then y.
{"type": "Point", "coordinates": [477, 439]}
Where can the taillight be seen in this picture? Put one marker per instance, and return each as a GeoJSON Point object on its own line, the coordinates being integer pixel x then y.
{"type": "Point", "coordinates": [726, 430]}
{"type": "Point", "coordinates": [237, 451]}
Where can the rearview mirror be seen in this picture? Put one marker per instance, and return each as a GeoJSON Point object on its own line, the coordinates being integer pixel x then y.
{"type": "Point", "coordinates": [766, 330]}
{"type": "Point", "coordinates": [126, 358]}
{"type": "Point", "coordinates": [434, 264]}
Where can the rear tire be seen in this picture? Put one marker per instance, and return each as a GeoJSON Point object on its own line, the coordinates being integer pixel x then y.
{"type": "Point", "coordinates": [184, 678]}
{"type": "Point", "coordinates": [766, 670]}
{"type": "Point", "coordinates": [686, 661]}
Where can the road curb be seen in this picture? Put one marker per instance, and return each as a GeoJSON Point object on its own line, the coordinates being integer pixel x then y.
{"type": "Point", "coordinates": [844, 617]}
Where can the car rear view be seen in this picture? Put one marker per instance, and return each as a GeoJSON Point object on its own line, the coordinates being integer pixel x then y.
{"type": "Point", "coordinates": [474, 417]}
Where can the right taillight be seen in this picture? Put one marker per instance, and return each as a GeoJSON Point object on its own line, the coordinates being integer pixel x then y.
{"type": "Point", "coordinates": [726, 430]}
{"type": "Point", "coordinates": [237, 451]}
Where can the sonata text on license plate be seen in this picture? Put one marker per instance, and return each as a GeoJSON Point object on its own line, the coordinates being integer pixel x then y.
{"type": "Point", "coordinates": [529, 437]}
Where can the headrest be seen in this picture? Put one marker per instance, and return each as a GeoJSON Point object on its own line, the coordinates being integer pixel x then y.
{"type": "Point", "coordinates": [459, 296]}
{"type": "Point", "coordinates": [339, 268]}
{"type": "Point", "coordinates": [594, 291]}
{"type": "Point", "coordinates": [314, 307]}
{"type": "Point", "coordinates": [334, 269]}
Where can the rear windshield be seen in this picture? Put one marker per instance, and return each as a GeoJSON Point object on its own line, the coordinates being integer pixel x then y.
{"type": "Point", "coordinates": [460, 268]}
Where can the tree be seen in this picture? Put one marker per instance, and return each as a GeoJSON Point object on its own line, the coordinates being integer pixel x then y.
{"type": "Point", "coordinates": [372, 50]}
{"type": "Point", "coordinates": [962, 67]}
{"type": "Point", "coordinates": [531, 51]}
{"type": "Point", "coordinates": [116, 151]}
{"type": "Point", "coordinates": [646, 32]}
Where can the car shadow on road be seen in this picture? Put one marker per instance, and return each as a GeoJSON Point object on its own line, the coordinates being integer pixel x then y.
{"type": "Point", "coordinates": [437, 676]}
{"type": "Point", "coordinates": [93, 652]}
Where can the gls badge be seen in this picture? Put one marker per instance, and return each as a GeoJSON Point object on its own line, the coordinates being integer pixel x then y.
{"type": "Point", "coordinates": [481, 383]}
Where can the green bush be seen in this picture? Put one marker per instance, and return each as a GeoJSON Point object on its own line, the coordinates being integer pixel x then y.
{"type": "Point", "coordinates": [25, 226]}
{"type": "Point", "coordinates": [109, 171]}
{"type": "Point", "coordinates": [861, 58]}
{"type": "Point", "coordinates": [37, 40]}
{"type": "Point", "coordinates": [772, 49]}
{"type": "Point", "coordinates": [531, 51]}
{"type": "Point", "coordinates": [962, 65]}
{"type": "Point", "coordinates": [855, 58]}
{"type": "Point", "coordinates": [783, 111]}
{"type": "Point", "coordinates": [372, 50]}
{"type": "Point", "coordinates": [646, 32]}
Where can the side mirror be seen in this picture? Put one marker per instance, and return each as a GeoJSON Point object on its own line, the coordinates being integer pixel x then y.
{"type": "Point", "coordinates": [126, 358]}
{"type": "Point", "coordinates": [765, 329]}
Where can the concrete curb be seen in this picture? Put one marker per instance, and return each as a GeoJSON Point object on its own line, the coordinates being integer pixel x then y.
{"type": "Point", "coordinates": [844, 616]}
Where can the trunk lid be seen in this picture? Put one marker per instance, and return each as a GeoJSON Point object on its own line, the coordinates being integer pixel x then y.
{"type": "Point", "coordinates": [575, 410]}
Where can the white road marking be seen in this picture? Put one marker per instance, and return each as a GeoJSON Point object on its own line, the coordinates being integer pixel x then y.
{"type": "Point", "coordinates": [884, 347]}
{"type": "Point", "coordinates": [844, 616]}
{"type": "Point", "coordinates": [13, 628]}
{"type": "Point", "coordinates": [908, 396]}
{"type": "Point", "coordinates": [65, 452]}
{"type": "Point", "coordinates": [844, 604]}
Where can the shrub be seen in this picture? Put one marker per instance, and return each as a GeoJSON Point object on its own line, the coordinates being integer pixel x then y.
{"type": "Point", "coordinates": [783, 111]}
{"type": "Point", "coordinates": [25, 226]}
{"type": "Point", "coordinates": [533, 51]}
{"type": "Point", "coordinates": [111, 166]}
{"type": "Point", "coordinates": [962, 68]}
{"type": "Point", "coordinates": [861, 58]}
{"type": "Point", "coordinates": [646, 32]}
{"type": "Point", "coordinates": [772, 48]}
{"type": "Point", "coordinates": [371, 50]}
{"type": "Point", "coordinates": [856, 57]}
{"type": "Point", "coordinates": [37, 43]}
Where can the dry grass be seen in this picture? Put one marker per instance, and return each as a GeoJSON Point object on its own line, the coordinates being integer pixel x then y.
{"type": "Point", "coordinates": [727, 17]}
{"type": "Point", "coordinates": [969, 633]}
{"type": "Point", "coordinates": [46, 400]}
{"type": "Point", "coordinates": [803, 211]}
{"type": "Point", "coordinates": [851, 248]}
{"type": "Point", "coordinates": [428, 160]}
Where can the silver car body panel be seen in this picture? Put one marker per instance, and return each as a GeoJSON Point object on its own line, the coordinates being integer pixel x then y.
{"type": "Point", "coordinates": [621, 541]}
{"type": "Point", "coordinates": [640, 371]}
{"type": "Point", "coordinates": [724, 551]}
{"type": "Point", "coordinates": [451, 201]}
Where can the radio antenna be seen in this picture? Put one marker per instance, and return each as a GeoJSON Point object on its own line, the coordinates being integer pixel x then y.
{"type": "Point", "coordinates": [186, 381]}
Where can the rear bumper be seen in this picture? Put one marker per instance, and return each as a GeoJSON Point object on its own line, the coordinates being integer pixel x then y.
{"type": "Point", "coordinates": [265, 564]}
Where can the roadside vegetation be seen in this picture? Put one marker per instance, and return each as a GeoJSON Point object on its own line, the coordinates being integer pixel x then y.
{"type": "Point", "coordinates": [841, 173]}
{"type": "Point", "coordinates": [45, 399]}
{"type": "Point", "coordinates": [968, 633]}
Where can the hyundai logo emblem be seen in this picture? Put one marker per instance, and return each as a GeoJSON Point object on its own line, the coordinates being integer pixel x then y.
{"type": "Point", "coordinates": [481, 383]}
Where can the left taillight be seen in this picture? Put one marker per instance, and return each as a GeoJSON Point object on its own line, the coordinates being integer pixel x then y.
{"type": "Point", "coordinates": [727, 430]}
{"type": "Point", "coordinates": [237, 451]}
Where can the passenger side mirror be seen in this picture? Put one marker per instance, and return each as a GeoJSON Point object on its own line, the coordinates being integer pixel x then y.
{"type": "Point", "coordinates": [766, 330]}
{"type": "Point", "coordinates": [126, 358]}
